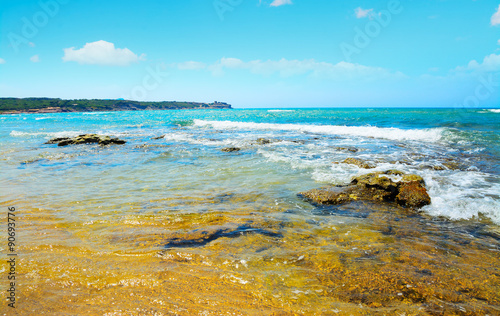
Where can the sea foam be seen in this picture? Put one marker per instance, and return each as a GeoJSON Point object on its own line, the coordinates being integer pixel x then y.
{"type": "Point", "coordinates": [391, 133]}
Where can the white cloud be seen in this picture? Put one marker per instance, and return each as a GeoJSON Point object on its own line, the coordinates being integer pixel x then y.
{"type": "Point", "coordinates": [288, 68]}
{"type": "Point", "coordinates": [101, 53]}
{"type": "Point", "coordinates": [363, 13]}
{"type": "Point", "coordinates": [31, 44]}
{"type": "Point", "coordinates": [490, 63]}
{"type": "Point", "coordinates": [35, 59]}
{"type": "Point", "coordinates": [2, 61]}
{"type": "Point", "coordinates": [277, 3]}
{"type": "Point", "coordinates": [495, 19]}
{"type": "Point", "coordinates": [191, 65]}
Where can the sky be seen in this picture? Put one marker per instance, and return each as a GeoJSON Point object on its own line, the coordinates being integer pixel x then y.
{"type": "Point", "coordinates": [255, 53]}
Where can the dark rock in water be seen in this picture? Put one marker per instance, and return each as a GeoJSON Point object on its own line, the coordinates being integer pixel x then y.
{"type": "Point", "coordinates": [350, 149]}
{"type": "Point", "coordinates": [358, 162]}
{"type": "Point", "coordinates": [57, 140]}
{"type": "Point", "coordinates": [412, 194]}
{"type": "Point", "coordinates": [391, 186]}
{"type": "Point", "coordinates": [200, 238]}
{"type": "Point", "coordinates": [230, 149]}
{"type": "Point", "coordinates": [452, 165]}
{"type": "Point", "coordinates": [86, 139]}
{"type": "Point", "coordinates": [158, 137]}
{"type": "Point", "coordinates": [263, 141]}
{"type": "Point", "coordinates": [106, 140]}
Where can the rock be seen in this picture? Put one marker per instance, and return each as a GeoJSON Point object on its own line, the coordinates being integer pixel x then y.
{"type": "Point", "coordinates": [358, 162]}
{"type": "Point", "coordinates": [86, 139]}
{"type": "Point", "coordinates": [263, 141]}
{"type": "Point", "coordinates": [391, 186]}
{"type": "Point", "coordinates": [452, 165]}
{"type": "Point", "coordinates": [350, 149]}
{"type": "Point", "coordinates": [158, 137]}
{"type": "Point", "coordinates": [328, 196]}
{"type": "Point", "coordinates": [57, 140]}
{"type": "Point", "coordinates": [108, 141]}
{"type": "Point", "coordinates": [412, 194]}
{"type": "Point", "coordinates": [230, 149]}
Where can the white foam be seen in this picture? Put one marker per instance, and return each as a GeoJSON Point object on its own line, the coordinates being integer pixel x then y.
{"type": "Point", "coordinates": [493, 110]}
{"type": "Point", "coordinates": [47, 134]}
{"type": "Point", "coordinates": [457, 195]}
{"type": "Point", "coordinates": [280, 110]}
{"type": "Point", "coordinates": [463, 195]}
{"type": "Point", "coordinates": [428, 135]}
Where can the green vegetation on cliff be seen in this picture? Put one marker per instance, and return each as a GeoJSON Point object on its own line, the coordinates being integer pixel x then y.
{"type": "Point", "coordinates": [37, 105]}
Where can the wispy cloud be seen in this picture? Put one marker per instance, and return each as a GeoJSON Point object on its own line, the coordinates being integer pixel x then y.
{"type": "Point", "coordinates": [363, 13]}
{"type": "Point", "coordinates": [288, 68]}
{"type": "Point", "coordinates": [495, 19]}
{"type": "Point", "coordinates": [190, 65]}
{"type": "Point", "coordinates": [2, 61]}
{"type": "Point", "coordinates": [35, 58]}
{"type": "Point", "coordinates": [277, 3]}
{"type": "Point", "coordinates": [101, 53]}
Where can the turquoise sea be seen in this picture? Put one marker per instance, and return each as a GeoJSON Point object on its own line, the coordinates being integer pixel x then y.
{"type": "Point", "coordinates": [97, 223]}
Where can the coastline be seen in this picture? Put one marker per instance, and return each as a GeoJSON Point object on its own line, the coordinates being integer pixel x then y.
{"type": "Point", "coordinates": [55, 105]}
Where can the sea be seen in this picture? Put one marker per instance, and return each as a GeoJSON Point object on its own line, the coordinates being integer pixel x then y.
{"type": "Point", "coordinates": [171, 224]}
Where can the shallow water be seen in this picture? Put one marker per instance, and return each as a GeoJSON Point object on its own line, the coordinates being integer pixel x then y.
{"type": "Point", "coordinates": [176, 226]}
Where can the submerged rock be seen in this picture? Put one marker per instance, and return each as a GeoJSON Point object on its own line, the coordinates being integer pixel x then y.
{"type": "Point", "coordinates": [392, 186]}
{"type": "Point", "coordinates": [263, 141]}
{"type": "Point", "coordinates": [350, 149]}
{"type": "Point", "coordinates": [358, 162]}
{"type": "Point", "coordinates": [57, 140]}
{"type": "Point", "coordinates": [86, 139]}
{"type": "Point", "coordinates": [230, 149]}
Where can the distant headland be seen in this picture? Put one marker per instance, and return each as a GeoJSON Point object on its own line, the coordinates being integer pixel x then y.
{"type": "Point", "coordinates": [53, 105]}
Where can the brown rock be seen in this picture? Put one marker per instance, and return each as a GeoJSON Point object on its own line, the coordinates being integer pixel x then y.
{"type": "Point", "coordinates": [86, 139]}
{"type": "Point", "coordinates": [230, 149]}
{"type": "Point", "coordinates": [328, 196]}
{"type": "Point", "coordinates": [409, 190]}
{"type": "Point", "coordinates": [350, 149]}
{"type": "Point", "coordinates": [263, 141]}
{"type": "Point", "coordinates": [358, 162]}
{"type": "Point", "coordinates": [412, 194]}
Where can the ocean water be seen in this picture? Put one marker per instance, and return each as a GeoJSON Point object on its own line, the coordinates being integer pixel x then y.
{"type": "Point", "coordinates": [174, 225]}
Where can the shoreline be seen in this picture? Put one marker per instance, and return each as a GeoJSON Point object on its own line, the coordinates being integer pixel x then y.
{"type": "Point", "coordinates": [50, 110]}
{"type": "Point", "coordinates": [55, 105]}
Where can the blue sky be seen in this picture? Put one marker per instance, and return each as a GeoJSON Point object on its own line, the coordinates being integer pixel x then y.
{"type": "Point", "coordinates": [251, 53]}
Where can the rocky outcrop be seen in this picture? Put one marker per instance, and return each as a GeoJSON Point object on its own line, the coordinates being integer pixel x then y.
{"type": "Point", "coordinates": [230, 149]}
{"type": "Point", "coordinates": [263, 141]}
{"type": "Point", "coordinates": [86, 139]}
{"type": "Point", "coordinates": [347, 149]}
{"type": "Point", "coordinates": [358, 162]}
{"type": "Point", "coordinates": [392, 186]}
